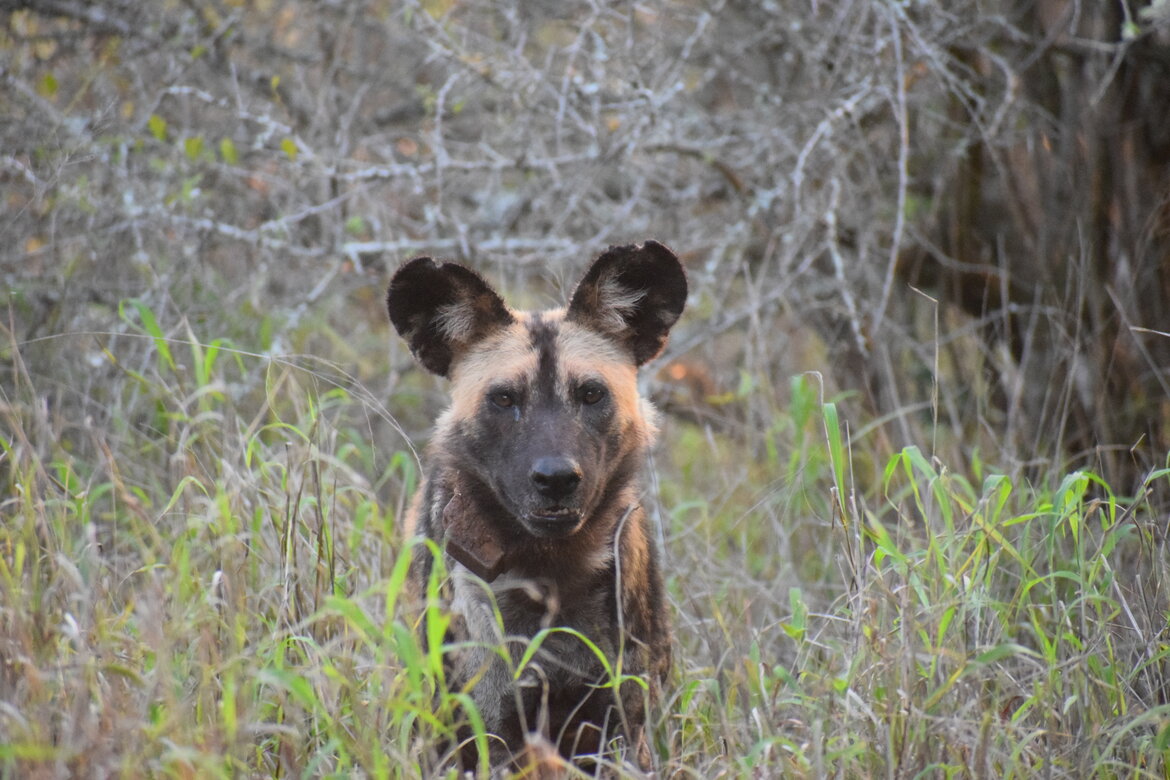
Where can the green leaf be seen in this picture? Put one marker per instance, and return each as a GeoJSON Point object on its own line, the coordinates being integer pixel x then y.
{"type": "Point", "coordinates": [478, 730]}
{"type": "Point", "coordinates": [1000, 652]}
{"type": "Point", "coordinates": [884, 542]}
{"type": "Point", "coordinates": [28, 751]}
{"type": "Point", "coordinates": [227, 150]}
{"type": "Point", "coordinates": [837, 460]}
{"type": "Point", "coordinates": [1162, 741]}
{"type": "Point", "coordinates": [158, 127]}
{"type": "Point", "coordinates": [48, 86]}
{"type": "Point", "coordinates": [289, 147]}
{"type": "Point", "coordinates": [294, 684]}
{"type": "Point", "coordinates": [944, 623]}
{"type": "Point", "coordinates": [151, 326]}
{"type": "Point", "coordinates": [798, 626]}
{"type": "Point", "coordinates": [192, 147]}
{"type": "Point", "coordinates": [354, 616]}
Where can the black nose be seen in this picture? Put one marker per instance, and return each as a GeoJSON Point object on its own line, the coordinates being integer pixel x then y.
{"type": "Point", "coordinates": [555, 478]}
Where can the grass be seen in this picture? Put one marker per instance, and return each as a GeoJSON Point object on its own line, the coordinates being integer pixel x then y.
{"type": "Point", "coordinates": [200, 577]}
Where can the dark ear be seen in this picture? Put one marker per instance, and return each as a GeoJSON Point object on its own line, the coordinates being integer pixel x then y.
{"type": "Point", "coordinates": [441, 310]}
{"type": "Point", "coordinates": [634, 294]}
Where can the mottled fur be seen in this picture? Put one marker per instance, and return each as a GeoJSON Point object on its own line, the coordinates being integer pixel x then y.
{"type": "Point", "coordinates": [533, 480]}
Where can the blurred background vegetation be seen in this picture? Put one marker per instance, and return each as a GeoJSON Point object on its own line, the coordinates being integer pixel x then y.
{"type": "Point", "coordinates": [965, 203]}
{"type": "Point", "coordinates": [950, 220]}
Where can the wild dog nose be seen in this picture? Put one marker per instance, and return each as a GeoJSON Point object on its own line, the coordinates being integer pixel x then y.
{"type": "Point", "coordinates": [555, 478]}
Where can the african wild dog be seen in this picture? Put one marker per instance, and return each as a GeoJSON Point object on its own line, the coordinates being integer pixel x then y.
{"type": "Point", "coordinates": [533, 486]}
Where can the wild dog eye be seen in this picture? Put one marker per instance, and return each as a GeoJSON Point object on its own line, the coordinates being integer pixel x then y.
{"type": "Point", "coordinates": [504, 399]}
{"type": "Point", "coordinates": [590, 393]}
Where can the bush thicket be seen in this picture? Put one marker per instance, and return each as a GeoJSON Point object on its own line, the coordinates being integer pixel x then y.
{"type": "Point", "coordinates": [913, 486]}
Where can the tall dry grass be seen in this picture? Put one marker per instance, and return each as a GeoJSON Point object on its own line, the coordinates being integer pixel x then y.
{"type": "Point", "coordinates": [904, 535]}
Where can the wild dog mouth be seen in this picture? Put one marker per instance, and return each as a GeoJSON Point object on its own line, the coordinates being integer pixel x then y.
{"type": "Point", "coordinates": [479, 545]}
{"type": "Point", "coordinates": [553, 522]}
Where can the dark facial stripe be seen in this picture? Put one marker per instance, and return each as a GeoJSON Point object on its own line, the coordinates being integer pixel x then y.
{"type": "Point", "coordinates": [543, 337]}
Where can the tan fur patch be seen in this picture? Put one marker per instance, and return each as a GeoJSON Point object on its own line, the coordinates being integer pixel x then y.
{"type": "Point", "coordinates": [585, 353]}
{"type": "Point", "coordinates": [507, 354]}
{"type": "Point", "coordinates": [410, 523]}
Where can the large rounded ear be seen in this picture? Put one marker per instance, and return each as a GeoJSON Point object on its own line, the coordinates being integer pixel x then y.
{"type": "Point", "coordinates": [441, 310]}
{"type": "Point", "coordinates": [634, 294]}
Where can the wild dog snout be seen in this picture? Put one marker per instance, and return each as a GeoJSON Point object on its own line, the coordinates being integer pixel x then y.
{"type": "Point", "coordinates": [556, 478]}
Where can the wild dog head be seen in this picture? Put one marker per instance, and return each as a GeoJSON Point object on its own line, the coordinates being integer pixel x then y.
{"type": "Point", "coordinates": [545, 411]}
